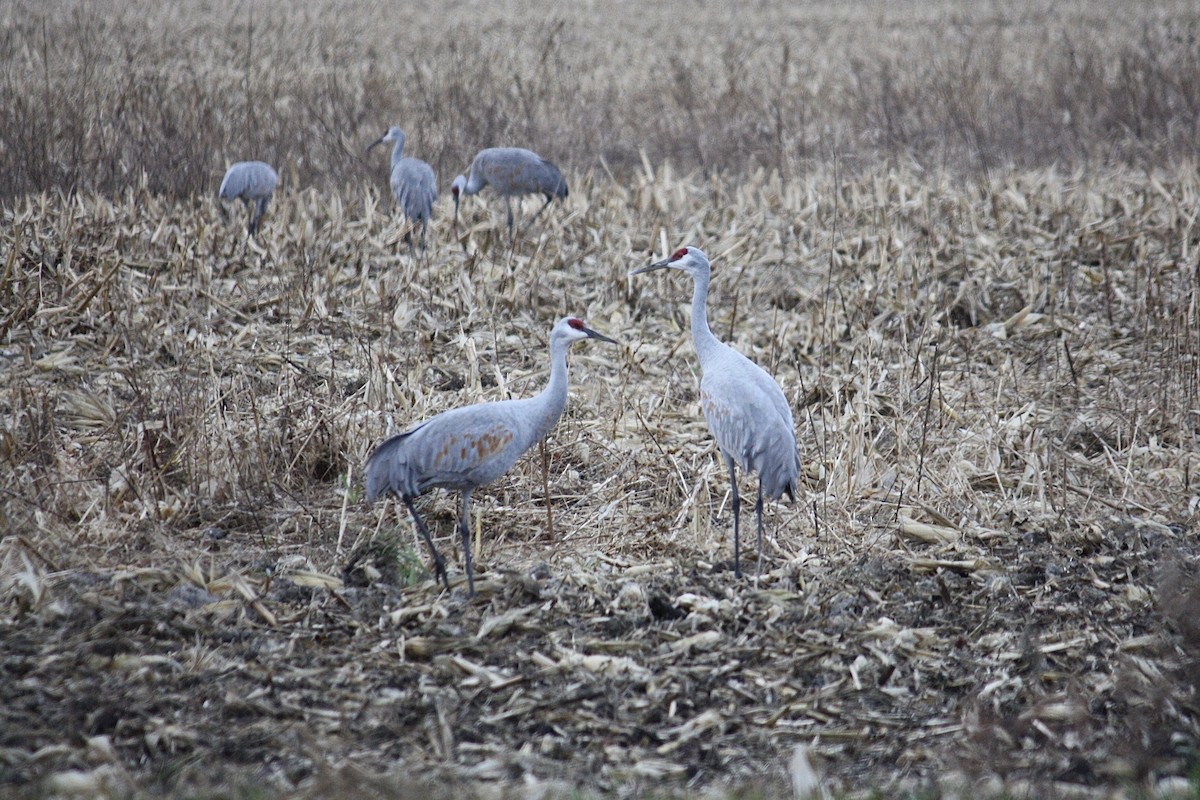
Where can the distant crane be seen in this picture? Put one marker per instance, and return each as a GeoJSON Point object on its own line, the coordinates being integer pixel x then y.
{"type": "Point", "coordinates": [512, 172]}
{"type": "Point", "coordinates": [250, 182]}
{"type": "Point", "coordinates": [465, 448]}
{"type": "Point", "coordinates": [745, 408]}
{"type": "Point", "coordinates": [414, 184]}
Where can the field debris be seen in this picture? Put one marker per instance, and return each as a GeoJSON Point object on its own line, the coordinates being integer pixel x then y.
{"type": "Point", "coordinates": [987, 585]}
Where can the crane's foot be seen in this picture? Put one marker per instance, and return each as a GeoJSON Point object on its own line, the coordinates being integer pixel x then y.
{"type": "Point", "coordinates": [439, 572]}
{"type": "Point", "coordinates": [727, 565]}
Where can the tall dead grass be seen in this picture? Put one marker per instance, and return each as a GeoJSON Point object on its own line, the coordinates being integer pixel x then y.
{"type": "Point", "coordinates": [98, 97]}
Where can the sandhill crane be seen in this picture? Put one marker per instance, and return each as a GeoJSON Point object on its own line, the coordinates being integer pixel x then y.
{"type": "Point", "coordinates": [465, 448]}
{"type": "Point", "coordinates": [250, 182]}
{"type": "Point", "coordinates": [745, 408]}
{"type": "Point", "coordinates": [413, 184]}
{"type": "Point", "coordinates": [511, 171]}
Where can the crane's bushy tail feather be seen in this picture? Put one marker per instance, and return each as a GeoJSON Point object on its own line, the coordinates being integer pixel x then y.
{"type": "Point", "coordinates": [385, 468]}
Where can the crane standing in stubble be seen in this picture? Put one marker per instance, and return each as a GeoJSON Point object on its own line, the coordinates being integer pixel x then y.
{"type": "Point", "coordinates": [252, 182]}
{"type": "Point", "coordinates": [414, 185]}
{"type": "Point", "coordinates": [745, 408]}
{"type": "Point", "coordinates": [511, 172]}
{"type": "Point", "coordinates": [466, 448]}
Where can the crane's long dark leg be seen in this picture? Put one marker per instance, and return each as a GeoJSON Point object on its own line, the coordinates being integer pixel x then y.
{"type": "Point", "coordinates": [549, 200]}
{"type": "Point", "coordinates": [260, 208]}
{"type": "Point", "coordinates": [737, 508]}
{"type": "Point", "coordinates": [464, 524]}
{"type": "Point", "coordinates": [758, 509]}
{"type": "Point", "coordinates": [439, 564]}
{"type": "Point", "coordinates": [508, 205]}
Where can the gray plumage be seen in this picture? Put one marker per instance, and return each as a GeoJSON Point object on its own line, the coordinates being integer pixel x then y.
{"type": "Point", "coordinates": [252, 182]}
{"type": "Point", "coordinates": [414, 184]}
{"type": "Point", "coordinates": [469, 447]}
{"type": "Point", "coordinates": [511, 172]}
{"type": "Point", "coordinates": [745, 408]}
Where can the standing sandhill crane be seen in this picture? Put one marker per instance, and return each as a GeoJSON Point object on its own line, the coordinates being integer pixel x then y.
{"type": "Point", "coordinates": [745, 408]}
{"type": "Point", "coordinates": [413, 184]}
{"type": "Point", "coordinates": [511, 171]}
{"type": "Point", "coordinates": [250, 182]}
{"type": "Point", "coordinates": [465, 448]}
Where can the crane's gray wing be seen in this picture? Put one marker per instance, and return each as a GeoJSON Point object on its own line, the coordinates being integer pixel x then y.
{"type": "Point", "coordinates": [388, 467]}
{"type": "Point", "coordinates": [751, 421]}
{"type": "Point", "coordinates": [457, 449]}
{"type": "Point", "coordinates": [261, 180]}
{"type": "Point", "coordinates": [511, 170]}
{"type": "Point", "coordinates": [253, 180]}
{"type": "Point", "coordinates": [415, 186]}
{"type": "Point", "coordinates": [732, 422]}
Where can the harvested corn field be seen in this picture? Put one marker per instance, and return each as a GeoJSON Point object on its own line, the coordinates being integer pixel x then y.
{"type": "Point", "coordinates": [987, 586]}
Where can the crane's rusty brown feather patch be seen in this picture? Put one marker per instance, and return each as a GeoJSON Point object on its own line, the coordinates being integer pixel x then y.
{"type": "Point", "coordinates": [491, 443]}
{"type": "Point", "coordinates": [445, 449]}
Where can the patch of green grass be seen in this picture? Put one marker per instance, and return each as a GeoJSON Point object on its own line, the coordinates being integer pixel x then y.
{"type": "Point", "coordinates": [352, 488]}
{"type": "Point", "coordinates": [409, 567]}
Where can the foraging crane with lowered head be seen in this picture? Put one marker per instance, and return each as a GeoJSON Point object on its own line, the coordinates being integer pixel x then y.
{"type": "Point", "coordinates": [414, 184]}
{"type": "Point", "coordinates": [745, 408]}
{"type": "Point", "coordinates": [252, 182]}
{"type": "Point", "coordinates": [466, 448]}
{"type": "Point", "coordinates": [511, 172]}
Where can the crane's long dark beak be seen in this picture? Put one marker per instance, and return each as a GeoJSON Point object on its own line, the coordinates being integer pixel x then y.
{"type": "Point", "coordinates": [664, 264]}
{"type": "Point", "coordinates": [377, 141]}
{"type": "Point", "coordinates": [598, 335]}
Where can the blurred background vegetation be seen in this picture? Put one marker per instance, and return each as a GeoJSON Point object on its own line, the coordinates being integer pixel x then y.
{"type": "Point", "coordinates": [98, 96]}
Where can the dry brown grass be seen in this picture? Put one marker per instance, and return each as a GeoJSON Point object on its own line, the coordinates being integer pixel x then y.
{"type": "Point", "coordinates": [988, 580]}
{"type": "Point", "coordinates": [90, 102]}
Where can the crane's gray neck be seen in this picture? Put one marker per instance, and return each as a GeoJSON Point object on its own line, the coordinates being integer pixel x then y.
{"type": "Point", "coordinates": [552, 400]}
{"type": "Point", "coordinates": [702, 335]}
{"type": "Point", "coordinates": [397, 151]}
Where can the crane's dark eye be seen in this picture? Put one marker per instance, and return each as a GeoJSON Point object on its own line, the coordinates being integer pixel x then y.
{"type": "Point", "coordinates": [680, 253]}
{"type": "Point", "coordinates": [575, 323]}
